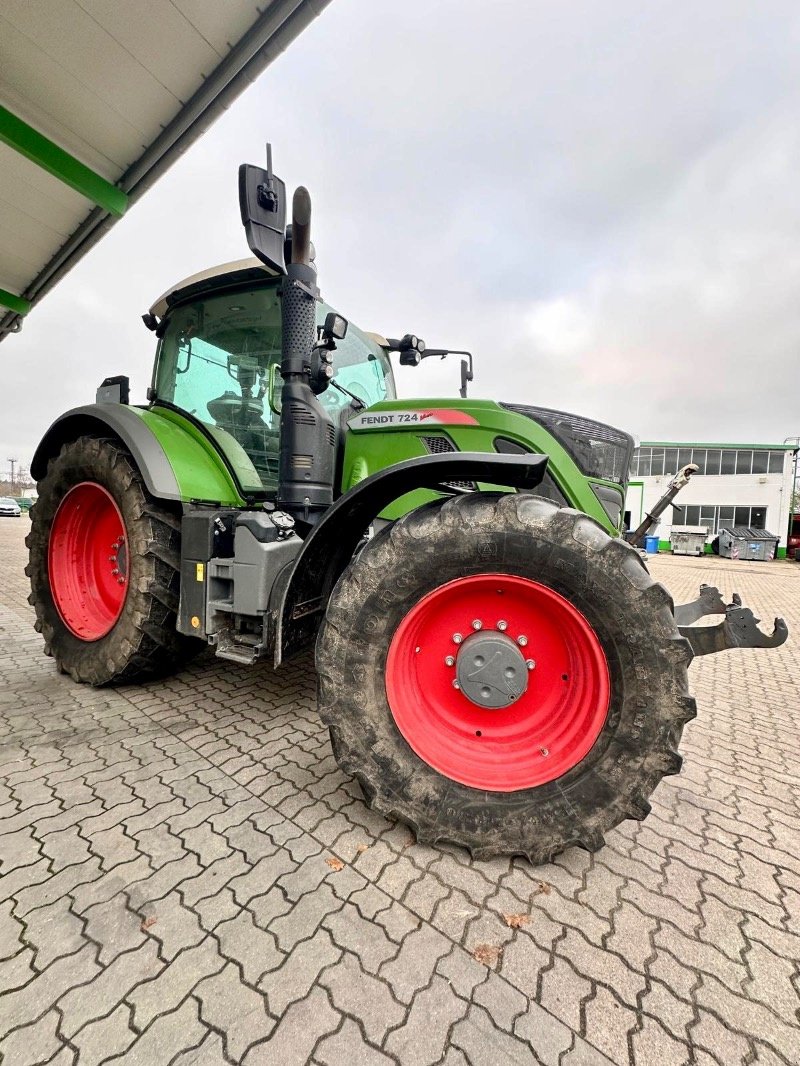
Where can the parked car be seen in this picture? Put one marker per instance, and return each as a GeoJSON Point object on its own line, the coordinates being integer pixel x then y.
{"type": "Point", "coordinates": [794, 538]}
{"type": "Point", "coordinates": [9, 508]}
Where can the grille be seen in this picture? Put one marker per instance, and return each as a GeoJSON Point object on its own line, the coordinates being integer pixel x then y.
{"type": "Point", "coordinates": [301, 462]}
{"type": "Point", "coordinates": [331, 436]}
{"type": "Point", "coordinates": [438, 445]}
{"type": "Point", "coordinates": [301, 415]}
{"type": "Point", "coordinates": [599, 450]}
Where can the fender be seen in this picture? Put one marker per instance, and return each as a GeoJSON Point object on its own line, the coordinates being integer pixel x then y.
{"type": "Point", "coordinates": [185, 469]}
{"type": "Point", "coordinates": [330, 545]}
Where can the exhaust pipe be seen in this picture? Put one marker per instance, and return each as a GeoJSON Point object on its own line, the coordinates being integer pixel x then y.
{"type": "Point", "coordinates": [307, 459]}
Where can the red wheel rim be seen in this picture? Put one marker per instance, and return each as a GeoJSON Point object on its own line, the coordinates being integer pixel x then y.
{"type": "Point", "coordinates": [550, 728]}
{"type": "Point", "coordinates": [88, 561]}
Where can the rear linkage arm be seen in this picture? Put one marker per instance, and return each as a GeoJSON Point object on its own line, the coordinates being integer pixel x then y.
{"type": "Point", "coordinates": [739, 629]}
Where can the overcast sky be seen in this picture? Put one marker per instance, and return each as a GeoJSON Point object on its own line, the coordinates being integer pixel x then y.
{"type": "Point", "coordinates": [601, 200]}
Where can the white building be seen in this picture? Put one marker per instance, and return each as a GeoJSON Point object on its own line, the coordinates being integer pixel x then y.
{"type": "Point", "coordinates": [737, 484]}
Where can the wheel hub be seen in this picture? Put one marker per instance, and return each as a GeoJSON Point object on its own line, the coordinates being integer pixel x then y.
{"type": "Point", "coordinates": [497, 682]}
{"type": "Point", "coordinates": [88, 561]}
{"type": "Point", "coordinates": [491, 670]}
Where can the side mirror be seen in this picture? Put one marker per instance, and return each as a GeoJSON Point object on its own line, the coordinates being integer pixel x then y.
{"type": "Point", "coordinates": [262, 202]}
{"type": "Point", "coordinates": [466, 375]}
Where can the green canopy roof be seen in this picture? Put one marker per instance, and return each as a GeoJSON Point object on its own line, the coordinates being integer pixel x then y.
{"type": "Point", "coordinates": [97, 100]}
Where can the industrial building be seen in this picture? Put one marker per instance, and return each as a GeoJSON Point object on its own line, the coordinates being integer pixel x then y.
{"type": "Point", "coordinates": [737, 484]}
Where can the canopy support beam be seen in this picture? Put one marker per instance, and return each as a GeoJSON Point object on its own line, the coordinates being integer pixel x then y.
{"type": "Point", "coordinates": [14, 303]}
{"type": "Point", "coordinates": [63, 166]}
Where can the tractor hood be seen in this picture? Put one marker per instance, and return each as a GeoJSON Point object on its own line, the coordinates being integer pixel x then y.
{"type": "Point", "coordinates": [587, 461]}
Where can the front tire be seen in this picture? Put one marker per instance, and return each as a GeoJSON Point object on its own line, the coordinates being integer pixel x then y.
{"type": "Point", "coordinates": [105, 568]}
{"type": "Point", "coordinates": [573, 748]}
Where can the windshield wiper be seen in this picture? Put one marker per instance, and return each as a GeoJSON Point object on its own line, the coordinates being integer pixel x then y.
{"type": "Point", "coordinates": [356, 399]}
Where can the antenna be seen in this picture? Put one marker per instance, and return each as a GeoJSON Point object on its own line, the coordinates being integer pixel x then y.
{"type": "Point", "coordinates": [267, 196]}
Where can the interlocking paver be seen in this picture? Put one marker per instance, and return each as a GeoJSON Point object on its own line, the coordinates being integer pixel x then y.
{"type": "Point", "coordinates": [106, 1037]}
{"type": "Point", "coordinates": [34, 1043]}
{"type": "Point", "coordinates": [364, 997]}
{"type": "Point", "coordinates": [232, 1007]}
{"type": "Point", "coordinates": [95, 999]}
{"type": "Point", "coordinates": [485, 1045]}
{"type": "Point", "coordinates": [299, 973]}
{"type": "Point", "coordinates": [363, 938]}
{"type": "Point", "coordinates": [610, 1024]}
{"type": "Point", "coordinates": [410, 970]}
{"type": "Point", "coordinates": [163, 993]}
{"type": "Point", "coordinates": [423, 1038]}
{"type": "Point", "coordinates": [11, 929]}
{"type": "Point", "coordinates": [32, 1001]}
{"type": "Point", "coordinates": [169, 1034]}
{"type": "Point", "coordinates": [241, 941]}
{"type": "Point", "coordinates": [347, 1045]}
{"type": "Point", "coordinates": [298, 1032]}
{"type": "Point", "coordinates": [652, 1043]}
{"type": "Point", "coordinates": [172, 924]}
{"type": "Point", "coordinates": [163, 857]}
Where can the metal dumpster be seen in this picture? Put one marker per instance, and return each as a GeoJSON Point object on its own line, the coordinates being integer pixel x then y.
{"type": "Point", "coordinates": [742, 542]}
{"type": "Point", "coordinates": [688, 540]}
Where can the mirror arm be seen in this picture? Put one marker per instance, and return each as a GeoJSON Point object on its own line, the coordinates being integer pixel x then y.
{"type": "Point", "coordinates": [466, 364]}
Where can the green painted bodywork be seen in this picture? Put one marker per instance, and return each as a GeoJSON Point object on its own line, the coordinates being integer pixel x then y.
{"type": "Point", "coordinates": [198, 468]}
{"type": "Point", "coordinates": [202, 474]}
{"type": "Point", "coordinates": [370, 450]}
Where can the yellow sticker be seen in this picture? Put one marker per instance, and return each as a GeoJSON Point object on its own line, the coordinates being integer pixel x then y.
{"type": "Point", "coordinates": [200, 571]}
{"type": "Point", "coordinates": [195, 622]}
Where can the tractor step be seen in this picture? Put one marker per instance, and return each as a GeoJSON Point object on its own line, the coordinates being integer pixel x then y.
{"type": "Point", "coordinates": [739, 628]}
{"type": "Point", "coordinates": [243, 648]}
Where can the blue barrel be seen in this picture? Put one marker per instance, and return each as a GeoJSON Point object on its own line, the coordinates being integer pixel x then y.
{"type": "Point", "coordinates": [651, 545]}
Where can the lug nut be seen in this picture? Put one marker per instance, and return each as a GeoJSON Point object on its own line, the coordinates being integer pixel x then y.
{"type": "Point", "coordinates": [531, 664]}
{"type": "Point", "coordinates": [112, 558]}
{"type": "Point", "coordinates": [457, 638]}
{"type": "Point", "coordinates": [522, 641]}
{"type": "Point", "coordinates": [455, 683]}
{"type": "Point", "coordinates": [502, 626]}
{"type": "Point", "coordinates": [449, 661]}
{"type": "Point", "coordinates": [115, 571]}
{"type": "Point", "coordinates": [477, 624]}
{"type": "Point", "coordinates": [544, 751]}
{"type": "Point", "coordinates": [120, 580]}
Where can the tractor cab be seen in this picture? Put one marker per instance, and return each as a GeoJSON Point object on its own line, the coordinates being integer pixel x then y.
{"type": "Point", "coordinates": [218, 361]}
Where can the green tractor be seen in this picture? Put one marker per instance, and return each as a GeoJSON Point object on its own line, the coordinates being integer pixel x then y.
{"type": "Point", "coordinates": [496, 666]}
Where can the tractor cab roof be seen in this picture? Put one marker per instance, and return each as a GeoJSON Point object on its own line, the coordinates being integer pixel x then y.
{"type": "Point", "coordinates": [223, 276]}
{"type": "Point", "coordinates": [226, 275]}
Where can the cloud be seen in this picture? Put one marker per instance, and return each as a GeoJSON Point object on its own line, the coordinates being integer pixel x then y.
{"type": "Point", "coordinates": [598, 199]}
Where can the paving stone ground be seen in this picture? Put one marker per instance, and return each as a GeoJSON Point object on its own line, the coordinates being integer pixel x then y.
{"type": "Point", "coordinates": [186, 877]}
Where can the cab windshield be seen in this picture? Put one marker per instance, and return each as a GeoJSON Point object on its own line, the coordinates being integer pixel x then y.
{"type": "Point", "coordinates": [215, 362]}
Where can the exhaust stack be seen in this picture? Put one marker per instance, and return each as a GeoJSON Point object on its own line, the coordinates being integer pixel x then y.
{"type": "Point", "coordinates": [307, 459]}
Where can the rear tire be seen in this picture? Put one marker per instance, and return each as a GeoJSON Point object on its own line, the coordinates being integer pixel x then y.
{"type": "Point", "coordinates": [96, 635]}
{"type": "Point", "coordinates": [631, 735]}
